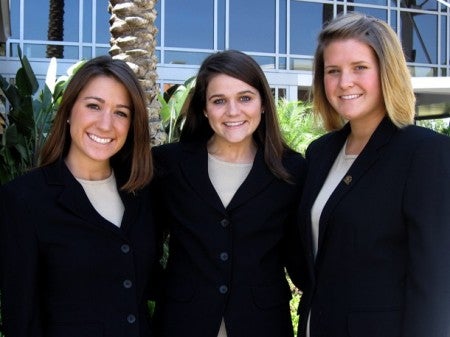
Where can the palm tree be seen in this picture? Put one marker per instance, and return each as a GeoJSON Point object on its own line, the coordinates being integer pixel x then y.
{"type": "Point", "coordinates": [133, 39]}
{"type": "Point", "coordinates": [55, 28]}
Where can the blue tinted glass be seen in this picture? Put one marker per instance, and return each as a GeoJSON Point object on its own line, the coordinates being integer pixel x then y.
{"type": "Point", "coordinates": [189, 24]}
{"type": "Point", "coordinates": [252, 25]}
{"type": "Point", "coordinates": [283, 28]}
{"type": "Point", "coordinates": [36, 17]}
{"type": "Point", "coordinates": [102, 22]}
{"type": "Point", "coordinates": [158, 23]}
{"type": "Point", "coordinates": [305, 28]}
{"type": "Point", "coordinates": [221, 23]}
{"type": "Point", "coordinates": [15, 19]}
{"type": "Point", "coordinates": [71, 20]}
{"type": "Point", "coordinates": [423, 28]}
{"type": "Point", "coordinates": [445, 58]}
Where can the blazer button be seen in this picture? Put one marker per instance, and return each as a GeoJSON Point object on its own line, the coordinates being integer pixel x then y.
{"type": "Point", "coordinates": [224, 223]}
{"type": "Point", "coordinates": [224, 256]}
{"type": "Point", "coordinates": [131, 318]}
{"type": "Point", "coordinates": [127, 284]}
{"type": "Point", "coordinates": [223, 289]}
{"type": "Point", "coordinates": [125, 248]}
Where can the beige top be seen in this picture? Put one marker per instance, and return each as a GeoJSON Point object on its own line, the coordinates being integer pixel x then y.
{"type": "Point", "coordinates": [226, 177]}
{"type": "Point", "coordinates": [105, 198]}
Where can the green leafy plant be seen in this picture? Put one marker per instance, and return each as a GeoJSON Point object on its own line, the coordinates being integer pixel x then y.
{"type": "Point", "coordinates": [298, 125]}
{"type": "Point", "coordinates": [27, 122]}
{"type": "Point", "coordinates": [172, 108]}
{"type": "Point", "coordinates": [439, 125]}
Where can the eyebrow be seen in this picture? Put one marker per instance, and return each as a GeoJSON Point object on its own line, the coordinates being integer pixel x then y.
{"type": "Point", "coordinates": [101, 100]}
{"type": "Point", "coordinates": [352, 63]}
{"type": "Point", "coordinates": [243, 92]}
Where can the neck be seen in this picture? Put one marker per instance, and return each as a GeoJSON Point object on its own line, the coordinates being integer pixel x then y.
{"type": "Point", "coordinates": [99, 172]}
{"type": "Point", "coordinates": [232, 153]}
{"type": "Point", "coordinates": [360, 135]}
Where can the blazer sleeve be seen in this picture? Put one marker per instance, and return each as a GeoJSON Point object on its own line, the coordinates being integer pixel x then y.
{"type": "Point", "coordinates": [427, 212]}
{"type": "Point", "coordinates": [19, 268]}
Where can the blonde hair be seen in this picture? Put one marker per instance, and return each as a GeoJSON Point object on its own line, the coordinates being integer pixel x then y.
{"type": "Point", "coordinates": [396, 86]}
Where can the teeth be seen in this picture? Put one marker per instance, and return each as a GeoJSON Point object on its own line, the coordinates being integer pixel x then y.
{"type": "Point", "coordinates": [234, 123]}
{"type": "Point", "coordinates": [99, 140]}
{"type": "Point", "coordinates": [350, 96]}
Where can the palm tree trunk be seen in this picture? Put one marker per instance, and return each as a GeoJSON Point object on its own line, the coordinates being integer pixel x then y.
{"type": "Point", "coordinates": [55, 28]}
{"type": "Point", "coordinates": [133, 39]}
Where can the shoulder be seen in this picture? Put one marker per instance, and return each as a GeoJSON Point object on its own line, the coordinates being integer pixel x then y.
{"type": "Point", "coordinates": [418, 134]}
{"type": "Point", "coordinates": [293, 161]}
{"type": "Point", "coordinates": [419, 142]}
{"type": "Point", "coordinates": [323, 142]}
{"type": "Point", "coordinates": [24, 189]}
{"type": "Point", "coordinates": [168, 156]}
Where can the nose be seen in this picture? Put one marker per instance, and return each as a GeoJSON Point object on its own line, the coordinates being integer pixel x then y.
{"type": "Point", "coordinates": [233, 108]}
{"type": "Point", "coordinates": [105, 120]}
{"type": "Point", "coordinates": [346, 80]}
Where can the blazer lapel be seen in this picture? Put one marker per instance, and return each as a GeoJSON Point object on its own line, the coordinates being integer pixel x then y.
{"type": "Point", "coordinates": [257, 180]}
{"type": "Point", "coordinates": [194, 167]}
{"type": "Point", "coordinates": [363, 162]}
{"type": "Point", "coordinates": [73, 197]}
{"type": "Point", "coordinates": [132, 203]}
{"type": "Point", "coordinates": [318, 168]}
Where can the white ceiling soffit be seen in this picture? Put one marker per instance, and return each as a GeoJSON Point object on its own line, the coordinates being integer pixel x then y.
{"type": "Point", "coordinates": [434, 85]}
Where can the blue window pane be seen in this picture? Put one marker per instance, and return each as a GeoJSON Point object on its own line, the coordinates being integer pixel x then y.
{"type": "Point", "coordinates": [252, 25]}
{"type": "Point", "coordinates": [102, 22]}
{"type": "Point", "coordinates": [375, 12]}
{"type": "Point", "coordinates": [87, 20]}
{"type": "Point", "coordinates": [101, 51]}
{"type": "Point", "coordinates": [189, 24]}
{"type": "Point", "coordinates": [71, 20]}
{"type": "Point", "coordinates": [282, 44]}
{"type": "Point", "coordinates": [15, 19]}
{"type": "Point", "coordinates": [173, 57]}
{"type": "Point", "coordinates": [221, 24]}
{"type": "Point", "coordinates": [36, 14]}
{"type": "Point", "coordinates": [372, 2]}
{"type": "Point", "coordinates": [266, 62]}
{"type": "Point", "coordinates": [421, 29]}
{"type": "Point", "coordinates": [445, 58]}
{"type": "Point", "coordinates": [305, 28]}
{"type": "Point", "coordinates": [158, 23]}
{"type": "Point", "coordinates": [39, 51]}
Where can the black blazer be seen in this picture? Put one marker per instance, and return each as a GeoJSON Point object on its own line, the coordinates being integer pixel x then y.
{"type": "Point", "coordinates": [65, 270]}
{"type": "Point", "coordinates": [382, 267]}
{"type": "Point", "coordinates": [225, 262]}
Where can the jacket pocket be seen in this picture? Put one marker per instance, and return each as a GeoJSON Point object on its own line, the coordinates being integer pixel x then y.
{"type": "Point", "coordinates": [266, 297]}
{"type": "Point", "coordinates": [382, 323]}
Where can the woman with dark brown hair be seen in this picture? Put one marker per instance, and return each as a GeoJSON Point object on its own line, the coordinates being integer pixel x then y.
{"type": "Point", "coordinates": [77, 235]}
{"type": "Point", "coordinates": [228, 193]}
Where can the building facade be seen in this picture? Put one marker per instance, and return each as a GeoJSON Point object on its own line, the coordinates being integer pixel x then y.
{"type": "Point", "coordinates": [279, 34]}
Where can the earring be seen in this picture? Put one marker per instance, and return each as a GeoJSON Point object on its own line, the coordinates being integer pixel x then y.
{"type": "Point", "coordinates": [262, 112]}
{"type": "Point", "coordinates": [68, 122]}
